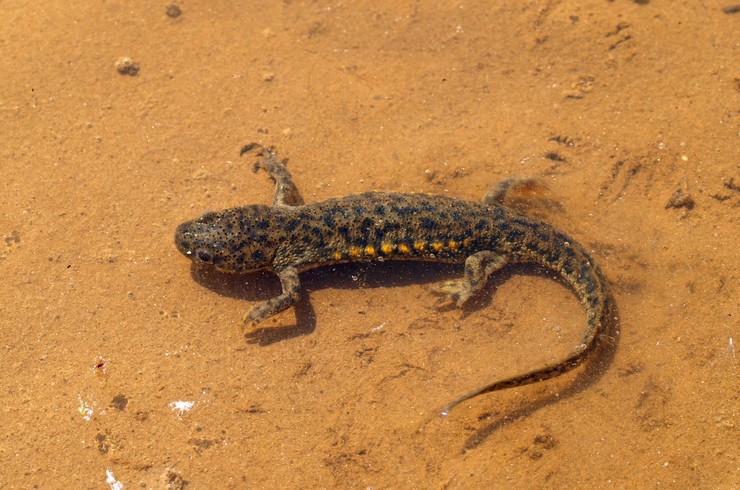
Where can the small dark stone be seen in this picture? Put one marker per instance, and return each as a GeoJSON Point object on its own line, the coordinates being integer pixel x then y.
{"type": "Point", "coordinates": [127, 66]}
{"type": "Point", "coordinates": [119, 402]}
{"type": "Point", "coordinates": [14, 237]}
{"type": "Point", "coordinates": [173, 11]}
{"type": "Point", "coordinates": [103, 443]}
{"type": "Point", "coordinates": [681, 199]}
{"type": "Point", "coordinates": [555, 157]}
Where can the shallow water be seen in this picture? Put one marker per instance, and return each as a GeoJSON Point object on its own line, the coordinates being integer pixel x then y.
{"type": "Point", "coordinates": [118, 364]}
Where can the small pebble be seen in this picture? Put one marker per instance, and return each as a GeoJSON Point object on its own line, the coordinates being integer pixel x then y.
{"type": "Point", "coordinates": [127, 66]}
{"type": "Point", "coordinates": [681, 199]}
{"type": "Point", "coordinates": [173, 11]}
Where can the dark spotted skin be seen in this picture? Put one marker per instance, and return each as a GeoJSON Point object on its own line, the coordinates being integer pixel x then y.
{"type": "Point", "coordinates": [288, 238]}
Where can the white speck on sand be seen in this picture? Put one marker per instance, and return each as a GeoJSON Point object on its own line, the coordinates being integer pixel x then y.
{"type": "Point", "coordinates": [85, 410]}
{"type": "Point", "coordinates": [378, 328]}
{"type": "Point", "coordinates": [111, 480]}
{"type": "Point", "coordinates": [182, 406]}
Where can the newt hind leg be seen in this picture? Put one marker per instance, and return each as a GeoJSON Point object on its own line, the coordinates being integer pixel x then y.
{"type": "Point", "coordinates": [478, 268]}
{"type": "Point", "coordinates": [527, 195]}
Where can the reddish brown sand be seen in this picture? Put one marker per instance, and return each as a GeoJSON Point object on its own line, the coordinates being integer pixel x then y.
{"type": "Point", "coordinates": [118, 364]}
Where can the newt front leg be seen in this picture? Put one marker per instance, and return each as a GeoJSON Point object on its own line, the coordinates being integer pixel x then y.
{"type": "Point", "coordinates": [291, 292]}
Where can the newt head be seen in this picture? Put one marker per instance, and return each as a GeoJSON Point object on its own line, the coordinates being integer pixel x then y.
{"type": "Point", "coordinates": [228, 241]}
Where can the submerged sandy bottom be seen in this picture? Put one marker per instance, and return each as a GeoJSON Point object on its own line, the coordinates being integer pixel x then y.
{"type": "Point", "coordinates": [119, 365]}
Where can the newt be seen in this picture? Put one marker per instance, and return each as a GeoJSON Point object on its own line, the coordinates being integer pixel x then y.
{"type": "Point", "coordinates": [290, 237]}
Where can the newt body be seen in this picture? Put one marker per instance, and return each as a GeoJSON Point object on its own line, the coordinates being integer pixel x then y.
{"type": "Point", "coordinates": [288, 238]}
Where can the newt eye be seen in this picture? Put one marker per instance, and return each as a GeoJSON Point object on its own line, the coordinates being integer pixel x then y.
{"type": "Point", "coordinates": [204, 256]}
